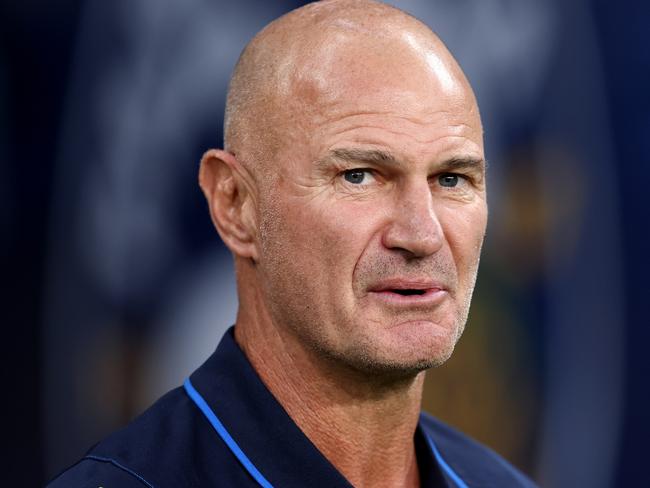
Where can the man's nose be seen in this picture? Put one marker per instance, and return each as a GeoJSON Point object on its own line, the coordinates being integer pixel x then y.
{"type": "Point", "coordinates": [414, 227]}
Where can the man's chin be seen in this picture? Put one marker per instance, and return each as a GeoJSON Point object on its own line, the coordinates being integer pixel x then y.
{"type": "Point", "coordinates": [400, 351]}
{"type": "Point", "coordinates": [418, 344]}
{"type": "Point", "coordinates": [394, 363]}
{"type": "Point", "coordinates": [412, 364]}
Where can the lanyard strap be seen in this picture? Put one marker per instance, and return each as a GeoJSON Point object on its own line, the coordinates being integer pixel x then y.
{"type": "Point", "coordinates": [250, 467]}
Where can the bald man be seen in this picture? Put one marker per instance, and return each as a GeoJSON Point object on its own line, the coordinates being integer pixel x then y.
{"type": "Point", "coordinates": [351, 192]}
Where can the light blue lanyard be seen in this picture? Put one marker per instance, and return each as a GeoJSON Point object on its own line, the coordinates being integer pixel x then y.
{"type": "Point", "coordinates": [250, 467]}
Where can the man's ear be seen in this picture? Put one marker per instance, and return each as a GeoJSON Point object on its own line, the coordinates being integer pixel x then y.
{"type": "Point", "coordinates": [231, 201]}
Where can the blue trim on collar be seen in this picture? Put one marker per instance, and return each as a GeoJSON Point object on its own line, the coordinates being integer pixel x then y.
{"type": "Point", "coordinates": [443, 464]}
{"type": "Point", "coordinates": [223, 433]}
{"type": "Point", "coordinates": [250, 467]}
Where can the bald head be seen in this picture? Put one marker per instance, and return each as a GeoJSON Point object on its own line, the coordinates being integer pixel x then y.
{"type": "Point", "coordinates": [320, 57]}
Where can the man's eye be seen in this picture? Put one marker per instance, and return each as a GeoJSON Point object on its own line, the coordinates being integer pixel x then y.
{"type": "Point", "coordinates": [449, 180]}
{"type": "Point", "coordinates": [358, 176]}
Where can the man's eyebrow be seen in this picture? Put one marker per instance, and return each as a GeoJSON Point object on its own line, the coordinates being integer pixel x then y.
{"type": "Point", "coordinates": [377, 156]}
{"type": "Point", "coordinates": [464, 162]}
{"type": "Point", "coordinates": [352, 155]}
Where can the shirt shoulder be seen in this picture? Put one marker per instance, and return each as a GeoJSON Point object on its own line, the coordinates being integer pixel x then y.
{"type": "Point", "coordinates": [476, 464]}
{"type": "Point", "coordinates": [168, 445]}
{"type": "Point", "coordinates": [97, 472]}
{"type": "Point", "coordinates": [135, 454]}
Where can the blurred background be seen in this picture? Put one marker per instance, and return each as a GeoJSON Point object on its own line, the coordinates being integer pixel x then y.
{"type": "Point", "coordinates": [116, 286]}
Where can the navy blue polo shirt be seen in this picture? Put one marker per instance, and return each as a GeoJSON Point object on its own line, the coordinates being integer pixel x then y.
{"type": "Point", "coordinates": [224, 428]}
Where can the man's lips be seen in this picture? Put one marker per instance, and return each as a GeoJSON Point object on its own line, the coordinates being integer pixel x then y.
{"type": "Point", "coordinates": [408, 291]}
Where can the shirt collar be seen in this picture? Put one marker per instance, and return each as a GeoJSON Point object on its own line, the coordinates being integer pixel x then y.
{"type": "Point", "coordinates": [262, 428]}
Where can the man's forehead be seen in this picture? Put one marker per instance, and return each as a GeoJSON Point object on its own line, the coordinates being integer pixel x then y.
{"type": "Point", "coordinates": [385, 92]}
{"type": "Point", "coordinates": [351, 63]}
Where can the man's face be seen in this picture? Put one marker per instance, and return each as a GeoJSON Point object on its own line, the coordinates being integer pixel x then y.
{"type": "Point", "coordinates": [371, 229]}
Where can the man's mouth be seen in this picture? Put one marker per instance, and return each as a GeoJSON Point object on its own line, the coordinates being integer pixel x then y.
{"type": "Point", "coordinates": [408, 292]}
{"type": "Point", "coordinates": [402, 291]}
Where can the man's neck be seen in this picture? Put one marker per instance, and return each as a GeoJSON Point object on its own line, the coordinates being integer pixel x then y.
{"type": "Point", "coordinates": [364, 427]}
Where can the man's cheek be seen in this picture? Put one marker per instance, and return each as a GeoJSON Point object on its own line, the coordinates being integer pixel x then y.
{"type": "Point", "coordinates": [341, 238]}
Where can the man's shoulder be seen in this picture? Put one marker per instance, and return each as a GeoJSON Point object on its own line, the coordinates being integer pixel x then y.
{"type": "Point", "coordinates": [98, 471]}
{"type": "Point", "coordinates": [476, 464]}
{"type": "Point", "coordinates": [155, 445]}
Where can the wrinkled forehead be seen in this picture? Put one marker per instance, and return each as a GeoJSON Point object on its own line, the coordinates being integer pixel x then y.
{"type": "Point", "coordinates": [349, 69]}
